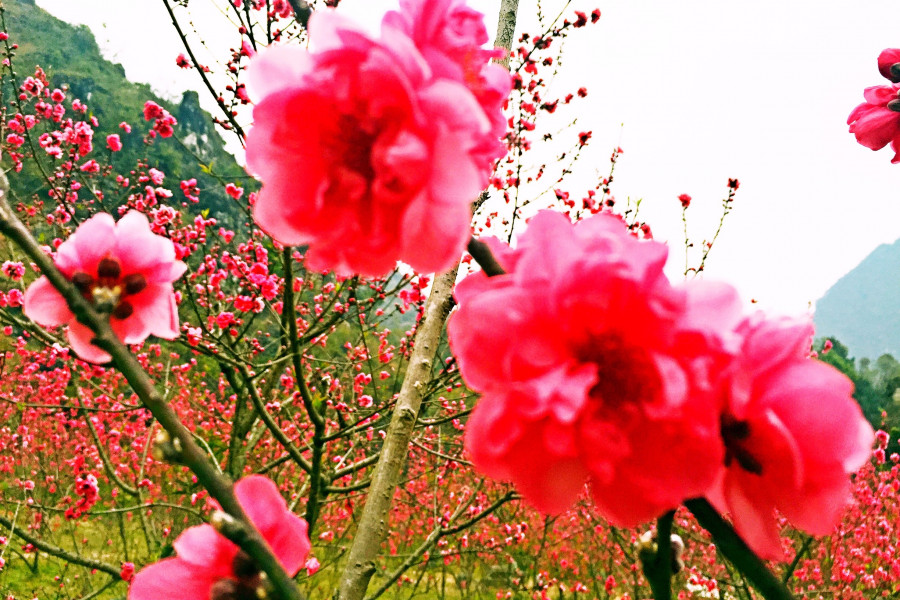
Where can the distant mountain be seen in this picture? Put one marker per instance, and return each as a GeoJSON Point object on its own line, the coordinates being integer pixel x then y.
{"type": "Point", "coordinates": [862, 309]}
{"type": "Point", "coordinates": [70, 56]}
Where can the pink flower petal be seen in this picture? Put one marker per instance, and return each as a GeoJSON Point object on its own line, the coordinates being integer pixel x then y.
{"type": "Point", "coordinates": [157, 312]}
{"type": "Point", "coordinates": [276, 68]}
{"type": "Point", "coordinates": [46, 306]}
{"type": "Point", "coordinates": [263, 503]}
{"type": "Point", "coordinates": [93, 240]}
{"type": "Point", "coordinates": [290, 543]}
{"type": "Point", "coordinates": [206, 550]}
{"type": "Point", "coordinates": [171, 579]}
{"type": "Point", "coordinates": [80, 338]}
{"type": "Point", "coordinates": [753, 515]}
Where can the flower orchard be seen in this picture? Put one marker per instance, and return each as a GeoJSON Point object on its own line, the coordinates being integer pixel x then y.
{"type": "Point", "coordinates": [360, 390]}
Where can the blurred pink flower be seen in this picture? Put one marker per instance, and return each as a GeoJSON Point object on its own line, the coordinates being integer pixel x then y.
{"type": "Point", "coordinates": [876, 122]}
{"type": "Point", "coordinates": [210, 566]}
{"type": "Point", "coordinates": [124, 263]}
{"type": "Point", "coordinates": [792, 434]}
{"type": "Point", "coordinates": [451, 36]}
{"type": "Point", "coordinates": [387, 168]}
{"type": "Point", "coordinates": [593, 368]}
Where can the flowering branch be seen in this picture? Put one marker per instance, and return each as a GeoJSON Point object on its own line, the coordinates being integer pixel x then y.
{"type": "Point", "coordinates": [107, 466]}
{"type": "Point", "coordinates": [318, 422]}
{"type": "Point", "coordinates": [737, 551]}
{"type": "Point", "coordinates": [60, 553]}
{"type": "Point", "coordinates": [182, 441]}
{"type": "Point", "coordinates": [219, 100]}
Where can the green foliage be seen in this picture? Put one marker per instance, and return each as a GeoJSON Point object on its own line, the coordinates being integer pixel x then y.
{"type": "Point", "coordinates": [877, 386]}
{"type": "Point", "coordinates": [70, 57]}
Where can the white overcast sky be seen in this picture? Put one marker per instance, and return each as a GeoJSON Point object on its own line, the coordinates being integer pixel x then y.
{"type": "Point", "coordinates": [695, 92]}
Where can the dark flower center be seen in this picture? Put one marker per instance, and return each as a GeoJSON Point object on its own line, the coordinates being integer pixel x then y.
{"type": "Point", "coordinates": [110, 286]}
{"type": "Point", "coordinates": [735, 434]}
{"type": "Point", "coordinates": [245, 584]}
{"type": "Point", "coordinates": [351, 146]}
{"type": "Point", "coordinates": [626, 375]}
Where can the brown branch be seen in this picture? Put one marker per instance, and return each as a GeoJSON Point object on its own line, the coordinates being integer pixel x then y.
{"type": "Point", "coordinates": [270, 423]}
{"type": "Point", "coordinates": [318, 421]}
{"type": "Point", "coordinates": [355, 466]}
{"type": "Point", "coordinates": [63, 554]}
{"type": "Point", "coordinates": [107, 466]}
{"type": "Point", "coordinates": [199, 68]}
{"type": "Point", "coordinates": [506, 28]}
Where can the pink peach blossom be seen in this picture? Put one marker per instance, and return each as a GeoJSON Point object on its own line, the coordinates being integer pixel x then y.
{"type": "Point", "coordinates": [594, 368]}
{"type": "Point", "coordinates": [210, 566]}
{"type": "Point", "coordinates": [876, 122]}
{"type": "Point", "coordinates": [114, 142]}
{"type": "Point", "coordinates": [451, 36]}
{"type": "Point", "coordinates": [792, 434]}
{"type": "Point", "coordinates": [886, 60]}
{"type": "Point", "coordinates": [388, 166]}
{"type": "Point", "coordinates": [124, 263]}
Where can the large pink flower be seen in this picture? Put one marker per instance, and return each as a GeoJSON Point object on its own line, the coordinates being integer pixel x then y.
{"type": "Point", "coordinates": [124, 263]}
{"type": "Point", "coordinates": [209, 566]}
{"type": "Point", "coordinates": [792, 434]}
{"type": "Point", "coordinates": [876, 122]}
{"type": "Point", "coordinates": [593, 368]}
{"type": "Point", "coordinates": [365, 153]}
{"type": "Point", "coordinates": [451, 36]}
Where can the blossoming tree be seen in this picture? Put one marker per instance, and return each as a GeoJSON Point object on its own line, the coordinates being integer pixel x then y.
{"type": "Point", "coordinates": [365, 351]}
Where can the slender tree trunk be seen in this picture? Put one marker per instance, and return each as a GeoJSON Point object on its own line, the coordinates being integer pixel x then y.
{"type": "Point", "coordinates": [506, 27]}
{"type": "Point", "coordinates": [374, 523]}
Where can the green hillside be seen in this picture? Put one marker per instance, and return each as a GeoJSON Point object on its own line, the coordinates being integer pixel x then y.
{"type": "Point", "coordinates": [862, 309]}
{"type": "Point", "coordinates": [70, 56]}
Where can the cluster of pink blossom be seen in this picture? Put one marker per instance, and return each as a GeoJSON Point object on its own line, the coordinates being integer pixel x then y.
{"type": "Point", "coordinates": [163, 122]}
{"type": "Point", "coordinates": [406, 131]}
{"type": "Point", "coordinates": [595, 369]}
{"type": "Point", "coordinates": [88, 492]}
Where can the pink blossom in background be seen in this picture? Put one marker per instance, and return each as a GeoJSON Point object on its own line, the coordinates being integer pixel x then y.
{"type": "Point", "coordinates": [887, 59]}
{"type": "Point", "coordinates": [114, 142]}
{"type": "Point", "coordinates": [594, 368]}
{"type": "Point", "coordinates": [388, 167]}
{"type": "Point", "coordinates": [876, 122]}
{"type": "Point", "coordinates": [210, 566]}
{"type": "Point", "coordinates": [792, 432]}
{"type": "Point", "coordinates": [124, 262]}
